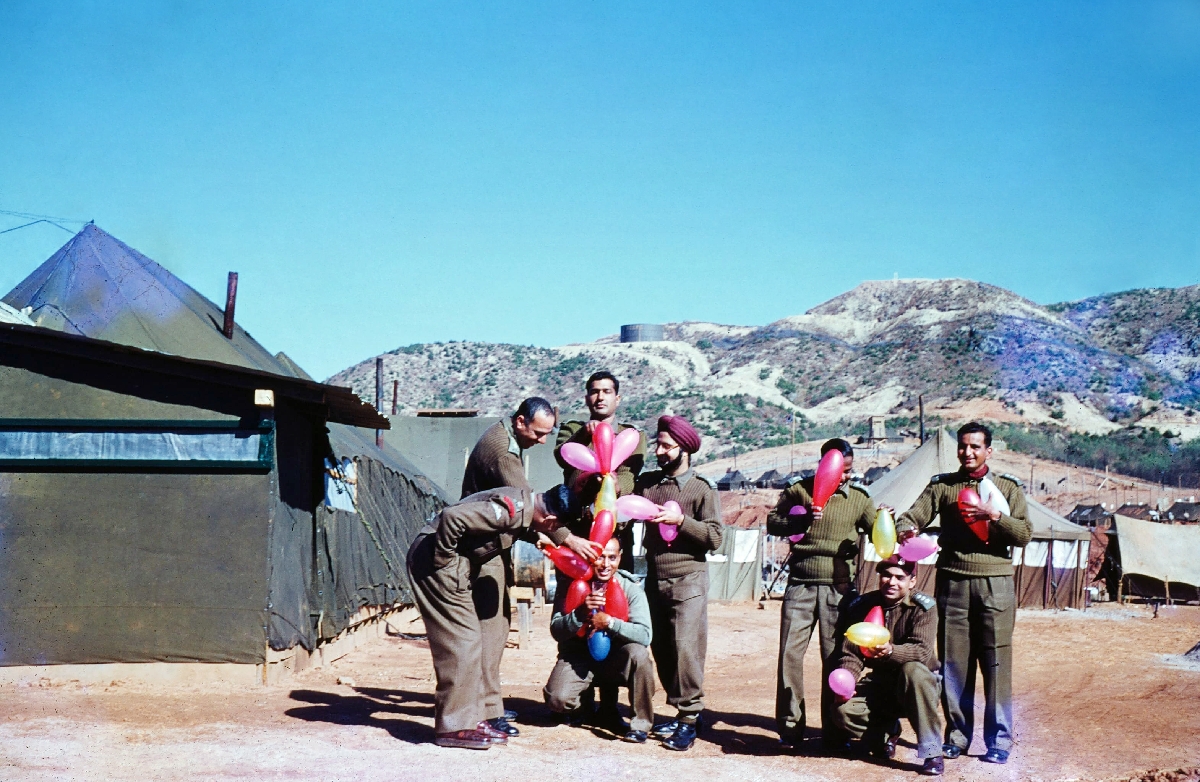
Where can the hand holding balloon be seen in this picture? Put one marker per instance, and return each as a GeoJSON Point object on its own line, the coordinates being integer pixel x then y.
{"type": "Point", "coordinates": [669, 520]}
{"type": "Point", "coordinates": [843, 683]}
{"type": "Point", "coordinates": [867, 634]}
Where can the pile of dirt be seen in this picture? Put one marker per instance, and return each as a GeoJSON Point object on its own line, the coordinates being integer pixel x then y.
{"type": "Point", "coordinates": [1157, 775]}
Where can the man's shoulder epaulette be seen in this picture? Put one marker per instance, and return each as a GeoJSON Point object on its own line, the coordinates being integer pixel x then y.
{"type": "Point", "coordinates": [861, 487]}
{"type": "Point", "coordinates": [1008, 477]}
{"type": "Point", "coordinates": [793, 480]}
{"type": "Point", "coordinates": [711, 483]}
{"type": "Point", "coordinates": [942, 477]}
{"type": "Point", "coordinates": [924, 601]}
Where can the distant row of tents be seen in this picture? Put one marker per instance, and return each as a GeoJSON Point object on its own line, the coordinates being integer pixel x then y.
{"type": "Point", "coordinates": [162, 485]}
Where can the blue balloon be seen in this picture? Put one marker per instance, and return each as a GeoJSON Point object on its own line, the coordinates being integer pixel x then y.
{"type": "Point", "coordinates": [599, 645]}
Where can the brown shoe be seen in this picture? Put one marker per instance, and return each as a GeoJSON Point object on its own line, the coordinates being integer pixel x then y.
{"type": "Point", "coordinates": [463, 739]}
{"type": "Point", "coordinates": [934, 767]}
{"type": "Point", "coordinates": [493, 735]}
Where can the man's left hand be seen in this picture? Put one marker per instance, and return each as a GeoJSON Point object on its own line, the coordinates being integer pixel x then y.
{"type": "Point", "coordinates": [668, 517]}
{"type": "Point", "coordinates": [879, 652]}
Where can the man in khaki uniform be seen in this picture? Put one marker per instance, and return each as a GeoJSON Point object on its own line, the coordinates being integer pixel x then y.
{"type": "Point", "coordinates": [628, 662]}
{"type": "Point", "coordinates": [901, 681]}
{"type": "Point", "coordinates": [677, 577]}
{"type": "Point", "coordinates": [498, 461]}
{"type": "Point", "coordinates": [820, 584]}
{"type": "Point", "coordinates": [443, 564]}
{"type": "Point", "coordinates": [975, 592]}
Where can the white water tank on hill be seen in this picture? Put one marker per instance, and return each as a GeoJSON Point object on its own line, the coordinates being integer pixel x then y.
{"type": "Point", "coordinates": [642, 332]}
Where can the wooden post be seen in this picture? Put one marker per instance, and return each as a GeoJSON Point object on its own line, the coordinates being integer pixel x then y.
{"type": "Point", "coordinates": [921, 415]}
{"type": "Point", "coordinates": [395, 396]}
{"type": "Point", "coordinates": [1047, 587]}
{"type": "Point", "coordinates": [1167, 590]}
{"type": "Point", "coordinates": [379, 397]}
{"type": "Point", "coordinates": [230, 303]}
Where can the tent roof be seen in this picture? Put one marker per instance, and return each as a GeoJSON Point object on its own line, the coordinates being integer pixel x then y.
{"type": "Point", "coordinates": [901, 486]}
{"type": "Point", "coordinates": [1046, 524]}
{"type": "Point", "coordinates": [97, 286]}
{"type": "Point", "coordinates": [1165, 552]}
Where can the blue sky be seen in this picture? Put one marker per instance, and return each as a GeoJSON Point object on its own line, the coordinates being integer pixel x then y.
{"type": "Point", "coordinates": [382, 174]}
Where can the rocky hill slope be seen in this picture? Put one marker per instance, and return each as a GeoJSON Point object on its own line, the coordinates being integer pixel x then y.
{"type": "Point", "coordinates": [972, 350]}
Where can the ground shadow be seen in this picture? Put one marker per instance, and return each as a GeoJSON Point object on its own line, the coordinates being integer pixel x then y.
{"type": "Point", "coordinates": [372, 707]}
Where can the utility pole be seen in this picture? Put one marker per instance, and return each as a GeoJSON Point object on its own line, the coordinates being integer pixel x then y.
{"type": "Point", "coordinates": [379, 398]}
{"type": "Point", "coordinates": [921, 414]}
{"type": "Point", "coordinates": [792, 447]}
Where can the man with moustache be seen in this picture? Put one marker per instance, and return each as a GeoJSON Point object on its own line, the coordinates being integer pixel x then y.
{"type": "Point", "coordinates": [677, 575]}
{"type": "Point", "coordinates": [975, 593]}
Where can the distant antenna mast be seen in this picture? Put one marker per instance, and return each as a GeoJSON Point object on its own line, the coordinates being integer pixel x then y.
{"type": "Point", "coordinates": [230, 302]}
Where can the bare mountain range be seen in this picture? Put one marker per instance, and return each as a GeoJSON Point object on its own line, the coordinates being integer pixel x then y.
{"type": "Point", "coordinates": [972, 349]}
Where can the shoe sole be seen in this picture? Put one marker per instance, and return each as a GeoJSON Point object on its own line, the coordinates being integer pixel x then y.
{"type": "Point", "coordinates": [457, 744]}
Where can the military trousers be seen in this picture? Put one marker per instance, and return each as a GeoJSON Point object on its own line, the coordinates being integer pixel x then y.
{"type": "Point", "coordinates": [444, 597]}
{"type": "Point", "coordinates": [679, 620]}
{"type": "Point", "coordinates": [975, 627]}
{"type": "Point", "coordinates": [489, 593]}
{"type": "Point", "coordinates": [627, 665]}
{"type": "Point", "coordinates": [885, 695]}
{"type": "Point", "coordinates": [806, 607]}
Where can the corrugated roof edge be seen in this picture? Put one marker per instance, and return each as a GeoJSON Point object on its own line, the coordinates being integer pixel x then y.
{"type": "Point", "coordinates": [343, 405]}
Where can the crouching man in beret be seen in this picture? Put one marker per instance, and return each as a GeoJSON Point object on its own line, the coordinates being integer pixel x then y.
{"type": "Point", "coordinates": [443, 566]}
{"type": "Point", "coordinates": [901, 680]}
{"type": "Point", "coordinates": [628, 661]}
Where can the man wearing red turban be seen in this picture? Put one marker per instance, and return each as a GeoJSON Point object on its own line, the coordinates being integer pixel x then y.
{"type": "Point", "coordinates": [677, 575]}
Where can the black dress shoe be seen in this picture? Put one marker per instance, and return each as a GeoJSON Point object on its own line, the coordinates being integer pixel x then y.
{"type": "Point", "coordinates": [995, 756]}
{"type": "Point", "coordinates": [610, 719]}
{"type": "Point", "coordinates": [664, 729]}
{"type": "Point", "coordinates": [934, 767]}
{"type": "Point", "coordinates": [635, 737]}
{"type": "Point", "coordinates": [501, 724]}
{"type": "Point", "coordinates": [510, 715]}
{"type": "Point", "coordinates": [683, 738]}
{"type": "Point", "coordinates": [951, 751]}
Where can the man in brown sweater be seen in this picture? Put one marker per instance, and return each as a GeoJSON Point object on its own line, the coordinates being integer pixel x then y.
{"type": "Point", "coordinates": [901, 682]}
{"type": "Point", "coordinates": [603, 397]}
{"type": "Point", "coordinates": [677, 575]}
{"type": "Point", "coordinates": [497, 461]}
{"type": "Point", "coordinates": [975, 593]}
{"type": "Point", "coordinates": [442, 562]}
{"type": "Point", "coordinates": [820, 584]}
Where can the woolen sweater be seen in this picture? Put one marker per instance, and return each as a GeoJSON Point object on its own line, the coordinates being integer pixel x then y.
{"type": "Point", "coordinates": [826, 553]}
{"type": "Point", "coordinates": [699, 533]}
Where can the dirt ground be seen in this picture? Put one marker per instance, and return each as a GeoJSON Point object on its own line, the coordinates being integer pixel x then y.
{"type": "Point", "coordinates": [1101, 695]}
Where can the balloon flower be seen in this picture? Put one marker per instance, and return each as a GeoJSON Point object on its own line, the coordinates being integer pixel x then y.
{"type": "Point", "coordinates": [842, 682]}
{"type": "Point", "coordinates": [883, 534]}
{"type": "Point", "coordinates": [967, 498]}
{"type": "Point", "coordinates": [828, 477]}
{"type": "Point", "coordinates": [608, 452]}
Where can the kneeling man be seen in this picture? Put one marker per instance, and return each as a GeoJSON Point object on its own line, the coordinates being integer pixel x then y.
{"type": "Point", "coordinates": [628, 662]}
{"type": "Point", "coordinates": [901, 682]}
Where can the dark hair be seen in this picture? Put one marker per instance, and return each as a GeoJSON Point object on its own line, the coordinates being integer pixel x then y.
{"type": "Point", "coordinates": [837, 444]}
{"type": "Point", "coordinates": [532, 407]}
{"type": "Point", "coordinates": [561, 502]}
{"type": "Point", "coordinates": [973, 427]}
{"type": "Point", "coordinates": [603, 374]}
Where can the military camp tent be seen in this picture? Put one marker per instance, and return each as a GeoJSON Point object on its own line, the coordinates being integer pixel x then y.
{"type": "Point", "coordinates": [146, 458]}
{"type": "Point", "coordinates": [1157, 559]}
{"type": "Point", "coordinates": [1050, 572]}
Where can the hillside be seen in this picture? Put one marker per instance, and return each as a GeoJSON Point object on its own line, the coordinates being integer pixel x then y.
{"type": "Point", "coordinates": [973, 350]}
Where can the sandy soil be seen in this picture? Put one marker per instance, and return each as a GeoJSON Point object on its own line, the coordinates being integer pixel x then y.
{"type": "Point", "coordinates": [1102, 695]}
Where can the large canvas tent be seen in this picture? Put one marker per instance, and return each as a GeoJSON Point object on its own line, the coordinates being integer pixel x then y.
{"type": "Point", "coordinates": [1050, 572]}
{"type": "Point", "coordinates": [1157, 559]}
{"type": "Point", "coordinates": [178, 474]}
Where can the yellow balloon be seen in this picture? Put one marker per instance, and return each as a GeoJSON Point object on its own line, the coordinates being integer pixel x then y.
{"type": "Point", "coordinates": [883, 535]}
{"type": "Point", "coordinates": [606, 498]}
{"type": "Point", "coordinates": [868, 635]}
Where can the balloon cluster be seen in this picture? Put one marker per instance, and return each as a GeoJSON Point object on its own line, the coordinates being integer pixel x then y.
{"type": "Point", "coordinates": [607, 453]}
{"type": "Point", "coordinates": [869, 634]}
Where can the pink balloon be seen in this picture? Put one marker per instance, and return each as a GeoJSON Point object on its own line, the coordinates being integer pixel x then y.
{"type": "Point", "coordinates": [580, 457]}
{"type": "Point", "coordinates": [602, 443]}
{"type": "Point", "coordinates": [842, 682]}
{"type": "Point", "coordinates": [915, 549]}
{"type": "Point", "coordinates": [668, 532]}
{"type": "Point", "coordinates": [636, 507]}
{"type": "Point", "coordinates": [797, 510]}
{"type": "Point", "coordinates": [624, 444]}
{"type": "Point", "coordinates": [799, 536]}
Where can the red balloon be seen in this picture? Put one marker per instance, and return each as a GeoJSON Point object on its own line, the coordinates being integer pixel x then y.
{"type": "Point", "coordinates": [569, 562]}
{"type": "Point", "coordinates": [875, 616]}
{"type": "Point", "coordinates": [615, 602]}
{"type": "Point", "coordinates": [966, 498]}
{"type": "Point", "coordinates": [579, 590]}
{"type": "Point", "coordinates": [828, 477]}
{"type": "Point", "coordinates": [603, 527]}
{"type": "Point", "coordinates": [602, 444]}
